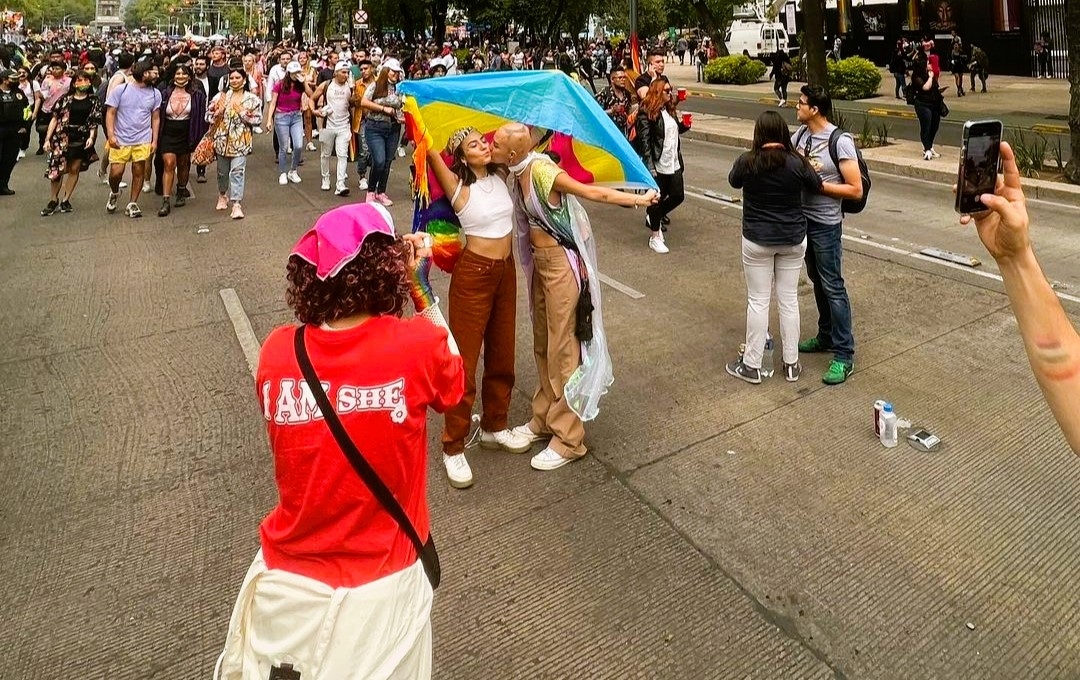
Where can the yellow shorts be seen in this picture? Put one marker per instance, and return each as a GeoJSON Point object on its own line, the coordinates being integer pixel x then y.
{"type": "Point", "coordinates": [129, 154]}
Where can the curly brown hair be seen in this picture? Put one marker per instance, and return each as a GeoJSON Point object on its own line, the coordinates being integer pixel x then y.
{"type": "Point", "coordinates": [374, 282]}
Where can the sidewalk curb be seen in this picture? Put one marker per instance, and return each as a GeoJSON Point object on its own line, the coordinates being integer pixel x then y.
{"type": "Point", "coordinates": [1047, 191]}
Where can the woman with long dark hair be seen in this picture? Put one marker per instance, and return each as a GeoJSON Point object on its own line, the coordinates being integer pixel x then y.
{"type": "Point", "coordinates": [382, 127]}
{"type": "Point", "coordinates": [781, 75]}
{"type": "Point", "coordinates": [658, 129]}
{"type": "Point", "coordinates": [69, 141]}
{"type": "Point", "coordinates": [285, 118]}
{"type": "Point", "coordinates": [183, 124]}
{"type": "Point", "coordinates": [773, 178]}
{"type": "Point", "coordinates": [483, 298]}
{"type": "Point", "coordinates": [924, 82]}
{"type": "Point", "coordinates": [236, 113]}
{"type": "Point", "coordinates": [338, 587]}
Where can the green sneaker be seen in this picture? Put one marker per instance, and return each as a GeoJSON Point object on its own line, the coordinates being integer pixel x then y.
{"type": "Point", "coordinates": [837, 373]}
{"type": "Point", "coordinates": [812, 345]}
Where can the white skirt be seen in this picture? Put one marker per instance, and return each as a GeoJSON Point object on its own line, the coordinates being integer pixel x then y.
{"type": "Point", "coordinates": [380, 630]}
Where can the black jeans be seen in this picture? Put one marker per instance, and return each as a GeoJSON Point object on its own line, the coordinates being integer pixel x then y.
{"type": "Point", "coordinates": [9, 151]}
{"type": "Point", "coordinates": [929, 122]}
{"type": "Point", "coordinates": [671, 195]}
{"type": "Point", "coordinates": [780, 88]}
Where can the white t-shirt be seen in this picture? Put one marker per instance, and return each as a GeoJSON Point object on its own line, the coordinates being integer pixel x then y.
{"type": "Point", "coordinates": [277, 74]}
{"type": "Point", "coordinates": [337, 98]}
{"type": "Point", "coordinates": [669, 157]}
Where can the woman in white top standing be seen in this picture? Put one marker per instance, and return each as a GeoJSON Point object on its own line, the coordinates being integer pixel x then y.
{"type": "Point", "coordinates": [483, 298]}
{"type": "Point", "coordinates": [658, 130]}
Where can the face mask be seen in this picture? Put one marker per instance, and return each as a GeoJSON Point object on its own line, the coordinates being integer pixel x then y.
{"type": "Point", "coordinates": [84, 88]}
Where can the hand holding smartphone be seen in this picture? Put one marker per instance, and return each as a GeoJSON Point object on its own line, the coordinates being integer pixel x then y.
{"type": "Point", "coordinates": [980, 159]}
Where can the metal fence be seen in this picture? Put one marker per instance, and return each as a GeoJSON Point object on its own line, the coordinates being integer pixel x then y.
{"type": "Point", "coordinates": [1048, 16]}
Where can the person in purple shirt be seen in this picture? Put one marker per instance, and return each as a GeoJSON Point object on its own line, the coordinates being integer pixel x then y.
{"type": "Point", "coordinates": [132, 121]}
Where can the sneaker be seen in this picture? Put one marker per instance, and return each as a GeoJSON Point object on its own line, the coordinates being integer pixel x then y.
{"type": "Point", "coordinates": [548, 459]}
{"type": "Point", "coordinates": [110, 207]}
{"type": "Point", "coordinates": [21, 155]}
{"type": "Point", "coordinates": [927, 156]}
{"type": "Point", "coordinates": [294, 177]}
{"type": "Point", "coordinates": [325, 186]}
{"type": "Point", "coordinates": [147, 187]}
{"type": "Point", "coordinates": [132, 210]}
{"type": "Point", "coordinates": [201, 179]}
{"type": "Point", "coordinates": [743, 372]}
{"type": "Point", "coordinates": [283, 179]}
{"type": "Point", "coordinates": [222, 203]}
{"type": "Point", "coordinates": [458, 471]}
{"type": "Point", "coordinates": [837, 372]}
{"type": "Point", "coordinates": [182, 194]}
{"type": "Point", "coordinates": [523, 431]}
{"type": "Point", "coordinates": [123, 184]}
{"type": "Point", "coordinates": [50, 208]}
{"type": "Point", "coordinates": [934, 153]}
{"type": "Point", "coordinates": [792, 371]}
{"type": "Point", "coordinates": [401, 152]}
{"type": "Point", "coordinates": [165, 209]}
{"type": "Point", "coordinates": [656, 244]}
{"type": "Point", "coordinates": [310, 146]}
{"type": "Point", "coordinates": [781, 104]}
{"type": "Point", "coordinates": [813, 345]}
{"type": "Point", "coordinates": [507, 440]}
{"type": "Point", "coordinates": [342, 191]}
{"type": "Point", "coordinates": [362, 184]}
{"type": "Point", "coordinates": [384, 199]}
{"type": "Point", "coordinates": [370, 197]}
{"type": "Point", "coordinates": [65, 207]}
{"type": "Point", "coordinates": [237, 212]}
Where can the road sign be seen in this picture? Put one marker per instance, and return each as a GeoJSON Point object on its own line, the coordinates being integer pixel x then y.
{"type": "Point", "coordinates": [360, 26]}
{"type": "Point", "coordinates": [360, 17]}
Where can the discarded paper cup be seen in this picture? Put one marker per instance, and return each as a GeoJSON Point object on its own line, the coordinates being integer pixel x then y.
{"type": "Point", "coordinates": [687, 119]}
{"type": "Point", "coordinates": [682, 94]}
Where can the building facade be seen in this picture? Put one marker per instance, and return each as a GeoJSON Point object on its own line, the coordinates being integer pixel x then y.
{"type": "Point", "coordinates": [1006, 29]}
{"type": "Point", "coordinates": [108, 16]}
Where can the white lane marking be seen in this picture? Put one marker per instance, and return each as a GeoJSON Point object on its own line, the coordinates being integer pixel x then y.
{"type": "Point", "coordinates": [249, 343]}
{"type": "Point", "coordinates": [895, 250]}
{"type": "Point", "coordinates": [622, 287]}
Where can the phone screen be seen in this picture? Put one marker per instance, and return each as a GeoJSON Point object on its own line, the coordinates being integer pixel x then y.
{"type": "Point", "coordinates": [979, 162]}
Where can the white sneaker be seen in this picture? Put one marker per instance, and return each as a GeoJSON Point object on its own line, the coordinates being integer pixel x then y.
{"type": "Point", "coordinates": [782, 104]}
{"type": "Point", "coordinates": [147, 187]}
{"type": "Point", "coordinates": [927, 156]}
{"type": "Point", "coordinates": [325, 186]}
{"type": "Point", "coordinates": [401, 152]}
{"type": "Point", "coordinates": [362, 184]}
{"type": "Point", "coordinates": [507, 440]}
{"type": "Point", "coordinates": [21, 155]}
{"type": "Point", "coordinates": [341, 190]}
{"type": "Point", "coordinates": [524, 431]}
{"type": "Point", "coordinates": [294, 177]}
{"type": "Point", "coordinates": [458, 471]}
{"type": "Point", "coordinates": [656, 244]}
{"type": "Point", "coordinates": [311, 146]}
{"type": "Point", "coordinates": [934, 153]}
{"type": "Point", "coordinates": [548, 459]}
{"type": "Point", "coordinates": [123, 184]}
{"type": "Point", "coordinates": [283, 179]}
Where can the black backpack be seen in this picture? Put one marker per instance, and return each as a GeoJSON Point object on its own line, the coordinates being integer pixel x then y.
{"type": "Point", "coordinates": [847, 206]}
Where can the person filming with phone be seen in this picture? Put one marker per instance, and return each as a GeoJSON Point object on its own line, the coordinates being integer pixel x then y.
{"type": "Point", "coordinates": [1050, 340]}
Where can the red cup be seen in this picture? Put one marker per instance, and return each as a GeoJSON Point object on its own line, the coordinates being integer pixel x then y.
{"type": "Point", "coordinates": [687, 119]}
{"type": "Point", "coordinates": [682, 94]}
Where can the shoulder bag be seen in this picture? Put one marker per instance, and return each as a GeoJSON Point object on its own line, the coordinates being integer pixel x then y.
{"type": "Point", "coordinates": [425, 551]}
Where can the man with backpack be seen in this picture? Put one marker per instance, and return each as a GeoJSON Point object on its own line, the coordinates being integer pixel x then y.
{"type": "Point", "coordinates": [832, 154]}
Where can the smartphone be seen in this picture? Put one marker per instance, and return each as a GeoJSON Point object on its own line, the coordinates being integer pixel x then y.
{"type": "Point", "coordinates": [979, 161]}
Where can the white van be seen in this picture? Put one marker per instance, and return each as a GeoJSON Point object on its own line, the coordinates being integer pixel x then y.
{"type": "Point", "coordinates": [760, 39]}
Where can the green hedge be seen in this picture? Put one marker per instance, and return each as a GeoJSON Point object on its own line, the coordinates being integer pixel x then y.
{"type": "Point", "coordinates": [738, 69]}
{"type": "Point", "coordinates": [853, 78]}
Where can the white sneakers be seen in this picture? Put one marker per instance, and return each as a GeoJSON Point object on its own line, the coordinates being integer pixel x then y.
{"type": "Point", "coordinates": [547, 460]}
{"type": "Point", "coordinates": [782, 104]}
{"type": "Point", "coordinates": [325, 186]}
{"type": "Point", "coordinates": [283, 179]}
{"type": "Point", "coordinates": [294, 177]}
{"type": "Point", "coordinates": [147, 187]}
{"type": "Point", "coordinates": [458, 471]}
{"type": "Point", "coordinates": [311, 146]}
{"type": "Point", "coordinates": [222, 203]}
{"type": "Point", "coordinates": [524, 432]}
{"type": "Point", "coordinates": [362, 184]}
{"type": "Point", "coordinates": [21, 155]}
{"type": "Point", "coordinates": [511, 441]}
{"type": "Point", "coordinates": [656, 243]}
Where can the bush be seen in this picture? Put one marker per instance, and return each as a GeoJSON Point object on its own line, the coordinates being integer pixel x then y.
{"type": "Point", "coordinates": [738, 69]}
{"type": "Point", "coordinates": [853, 78]}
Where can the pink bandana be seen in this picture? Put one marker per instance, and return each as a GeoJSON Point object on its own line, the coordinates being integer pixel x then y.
{"type": "Point", "coordinates": [339, 234]}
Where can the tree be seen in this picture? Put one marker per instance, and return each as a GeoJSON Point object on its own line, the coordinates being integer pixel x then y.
{"type": "Point", "coordinates": [713, 16]}
{"type": "Point", "coordinates": [37, 13]}
{"type": "Point", "coordinates": [813, 43]}
{"type": "Point", "coordinates": [1072, 30]}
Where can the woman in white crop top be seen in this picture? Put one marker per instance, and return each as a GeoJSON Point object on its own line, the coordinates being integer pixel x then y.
{"type": "Point", "coordinates": [483, 298]}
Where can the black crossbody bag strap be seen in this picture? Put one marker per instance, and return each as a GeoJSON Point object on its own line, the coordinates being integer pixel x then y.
{"type": "Point", "coordinates": [425, 551]}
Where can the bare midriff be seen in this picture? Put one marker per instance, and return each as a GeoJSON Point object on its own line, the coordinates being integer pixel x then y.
{"type": "Point", "coordinates": [491, 248]}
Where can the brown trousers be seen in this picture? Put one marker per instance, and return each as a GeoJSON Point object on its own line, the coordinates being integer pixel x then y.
{"type": "Point", "coordinates": [483, 309]}
{"type": "Point", "coordinates": [558, 352]}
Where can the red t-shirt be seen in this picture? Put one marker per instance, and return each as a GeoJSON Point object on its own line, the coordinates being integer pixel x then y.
{"type": "Point", "coordinates": [381, 376]}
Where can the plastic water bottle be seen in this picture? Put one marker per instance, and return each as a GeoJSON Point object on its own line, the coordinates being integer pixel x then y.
{"type": "Point", "coordinates": [889, 435]}
{"type": "Point", "coordinates": [767, 357]}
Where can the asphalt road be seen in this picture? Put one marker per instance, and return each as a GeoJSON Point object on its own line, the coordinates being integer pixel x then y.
{"type": "Point", "coordinates": [950, 134]}
{"type": "Point", "coordinates": [716, 530]}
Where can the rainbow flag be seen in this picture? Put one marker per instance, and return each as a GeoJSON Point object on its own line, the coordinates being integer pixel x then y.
{"type": "Point", "coordinates": [591, 149]}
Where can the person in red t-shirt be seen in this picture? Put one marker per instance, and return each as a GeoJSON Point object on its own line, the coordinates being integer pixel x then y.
{"type": "Point", "coordinates": [337, 590]}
